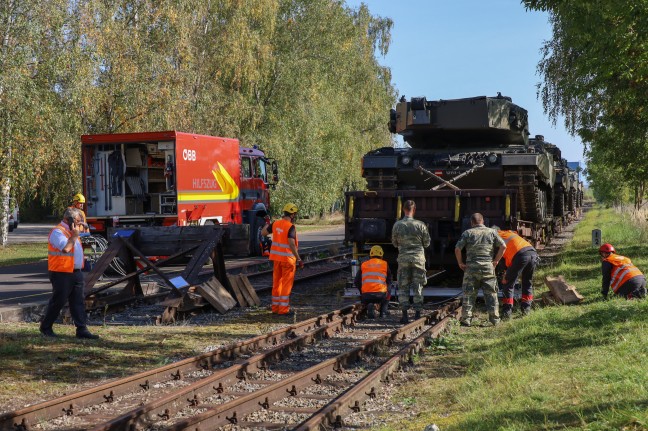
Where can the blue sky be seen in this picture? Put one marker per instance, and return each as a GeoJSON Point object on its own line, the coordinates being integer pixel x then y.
{"type": "Point", "coordinates": [449, 49]}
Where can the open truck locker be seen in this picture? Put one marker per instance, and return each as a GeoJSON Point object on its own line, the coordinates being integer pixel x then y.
{"type": "Point", "coordinates": [175, 179]}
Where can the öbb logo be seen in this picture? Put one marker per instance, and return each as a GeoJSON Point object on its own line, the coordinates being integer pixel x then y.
{"type": "Point", "coordinates": [189, 155]}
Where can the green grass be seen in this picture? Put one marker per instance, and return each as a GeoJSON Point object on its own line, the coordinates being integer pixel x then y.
{"type": "Point", "coordinates": [22, 253]}
{"type": "Point", "coordinates": [582, 367]}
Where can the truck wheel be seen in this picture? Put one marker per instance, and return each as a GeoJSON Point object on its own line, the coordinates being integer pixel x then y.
{"type": "Point", "coordinates": [256, 225]}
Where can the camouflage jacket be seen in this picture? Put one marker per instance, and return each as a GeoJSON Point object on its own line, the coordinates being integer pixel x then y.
{"type": "Point", "coordinates": [410, 236]}
{"type": "Point", "coordinates": [481, 243]}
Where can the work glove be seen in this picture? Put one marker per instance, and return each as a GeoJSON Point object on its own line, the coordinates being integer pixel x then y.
{"type": "Point", "coordinates": [300, 264]}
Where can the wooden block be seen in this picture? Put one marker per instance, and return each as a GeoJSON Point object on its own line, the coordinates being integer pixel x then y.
{"type": "Point", "coordinates": [244, 291]}
{"type": "Point", "coordinates": [237, 290]}
{"type": "Point", "coordinates": [561, 291]}
{"type": "Point", "coordinates": [214, 292]}
{"type": "Point", "coordinates": [245, 282]}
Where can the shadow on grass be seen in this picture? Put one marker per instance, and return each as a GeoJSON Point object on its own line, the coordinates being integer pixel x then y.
{"type": "Point", "coordinates": [576, 417]}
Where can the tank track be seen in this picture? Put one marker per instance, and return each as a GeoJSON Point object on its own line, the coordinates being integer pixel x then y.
{"type": "Point", "coordinates": [531, 198]}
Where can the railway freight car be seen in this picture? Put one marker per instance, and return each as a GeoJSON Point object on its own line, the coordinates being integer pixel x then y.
{"type": "Point", "coordinates": [462, 156]}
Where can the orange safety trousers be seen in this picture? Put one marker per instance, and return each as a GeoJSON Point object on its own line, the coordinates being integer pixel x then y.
{"type": "Point", "coordinates": [283, 276]}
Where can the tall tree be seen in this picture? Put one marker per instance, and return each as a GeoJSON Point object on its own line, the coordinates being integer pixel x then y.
{"type": "Point", "coordinates": [595, 74]}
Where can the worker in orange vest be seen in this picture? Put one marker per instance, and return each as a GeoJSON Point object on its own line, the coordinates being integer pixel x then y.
{"type": "Point", "coordinates": [284, 252]}
{"type": "Point", "coordinates": [64, 264]}
{"type": "Point", "coordinates": [78, 202]}
{"type": "Point", "coordinates": [521, 259]}
{"type": "Point", "coordinates": [373, 281]}
{"type": "Point", "coordinates": [620, 275]}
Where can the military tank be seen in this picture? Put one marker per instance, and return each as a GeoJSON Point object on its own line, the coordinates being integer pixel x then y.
{"type": "Point", "coordinates": [473, 143]}
{"type": "Point", "coordinates": [460, 156]}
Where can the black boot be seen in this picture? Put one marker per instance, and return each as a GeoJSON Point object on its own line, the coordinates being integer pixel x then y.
{"type": "Point", "coordinates": [507, 312]}
{"type": "Point", "coordinates": [404, 319]}
{"type": "Point", "coordinates": [371, 314]}
{"type": "Point", "coordinates": [83, 332]}
{"type": "Point", "coordinates": [418, 314]}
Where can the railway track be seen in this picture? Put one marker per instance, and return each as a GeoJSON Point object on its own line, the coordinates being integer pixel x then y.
{"type": "Point", "coordinates": [302, 376]}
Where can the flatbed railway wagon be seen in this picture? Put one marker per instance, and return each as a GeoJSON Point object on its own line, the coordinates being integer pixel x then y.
{"type": "Point", "coordinates": [463, 156]}
{"type": "Point", "coordinates": [173, 178]}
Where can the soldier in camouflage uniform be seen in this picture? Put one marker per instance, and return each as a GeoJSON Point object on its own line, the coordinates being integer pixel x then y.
{"type": "Point", "coordinates": [479, 269]}
{"type": "Point", "coordinates": [410, 237]}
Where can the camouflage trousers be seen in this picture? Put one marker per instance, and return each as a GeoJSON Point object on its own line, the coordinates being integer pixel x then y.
{"type": "Point", "coordinates": [472, 282]}
{"type": "Point", "coordinates": [410, 277]}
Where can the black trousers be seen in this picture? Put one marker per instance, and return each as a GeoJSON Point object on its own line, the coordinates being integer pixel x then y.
{"type": "Point", "coordinates": [375, 298]}
{"type": "Point", "coordinates": [524, 262]}
{"type": "Point", "coordinates": [633, 288]}
{"type": "Point", "coordinates": [66, 287]}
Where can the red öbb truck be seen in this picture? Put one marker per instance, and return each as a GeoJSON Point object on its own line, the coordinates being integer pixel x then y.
{"type": "Point", "coordinates": [175, 178]}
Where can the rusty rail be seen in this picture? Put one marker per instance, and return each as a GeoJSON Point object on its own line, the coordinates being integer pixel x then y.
{"type": "Point", "coordinates": [21, 419]}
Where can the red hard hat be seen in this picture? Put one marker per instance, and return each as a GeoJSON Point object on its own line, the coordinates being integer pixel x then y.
{"type": "Point", "coordinates": [607, 248]}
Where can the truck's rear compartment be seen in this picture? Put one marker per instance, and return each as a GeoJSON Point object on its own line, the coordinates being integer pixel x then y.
{"type": "Point", "coordinates": [131, 179]}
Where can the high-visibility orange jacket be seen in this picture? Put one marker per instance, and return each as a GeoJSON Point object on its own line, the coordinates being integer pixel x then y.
{"type": "Point", "coordinates": [59, 260]}
{"type": "Point", "coordinates": [514, 243]}
{"type": "Point", "coordinates": [622, 270]}
{"type": "Point", "coordinates": [374, 275]}
{"type": "Point", "coordinates": [280, 250]}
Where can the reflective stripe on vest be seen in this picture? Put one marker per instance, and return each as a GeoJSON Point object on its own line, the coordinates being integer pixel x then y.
{"type": "Point", "coordinates": [59, 260]}
{"type": "Point", "coordinates": [280, 249]}
{"type": "Point", "coordinates": [622, 271]}
{"type": "Point", "coordinates": [514, 243]}
{"type": "Point", "coordinates": [374, 275]}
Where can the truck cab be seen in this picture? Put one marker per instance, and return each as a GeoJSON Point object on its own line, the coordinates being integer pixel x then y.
{"type": "Point", "coordinates": [174, 178]}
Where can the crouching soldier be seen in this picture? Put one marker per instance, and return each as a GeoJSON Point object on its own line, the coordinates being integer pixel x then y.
{"type": "Point", "coordinates": [620, 275]}
{"type": "Point", "coordinates": [373, 280]}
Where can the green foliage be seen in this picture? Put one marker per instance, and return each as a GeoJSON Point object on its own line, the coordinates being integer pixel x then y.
{"type": "Point", "coordinates": [299, 78]}
{"type": "Point", "coordinates": [596, 76]}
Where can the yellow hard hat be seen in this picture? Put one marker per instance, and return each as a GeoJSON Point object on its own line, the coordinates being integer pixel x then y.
{"type": "Point", "coordinates": [376, 251]}
{"type": "Point", "coordinates": [290, 208]}
{"type": "Point", "coordinates": [79, 198]}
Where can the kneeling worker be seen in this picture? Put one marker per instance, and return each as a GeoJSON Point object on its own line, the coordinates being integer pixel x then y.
{"type": "Point", "coordinates": [373, 280]}
{"type": "Point", "coordinates": [621, 275]}
{"type": "Point", "coordinates": [520, 258]}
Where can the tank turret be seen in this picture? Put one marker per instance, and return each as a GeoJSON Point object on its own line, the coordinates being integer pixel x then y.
{"type": "Point", "coordinates": [471, 121]}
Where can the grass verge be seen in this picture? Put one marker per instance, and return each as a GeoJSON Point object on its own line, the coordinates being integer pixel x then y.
{"type": "Point", "coordinates": [564, 367]}
{"type": "Point", "coordinates": [22, 253]}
